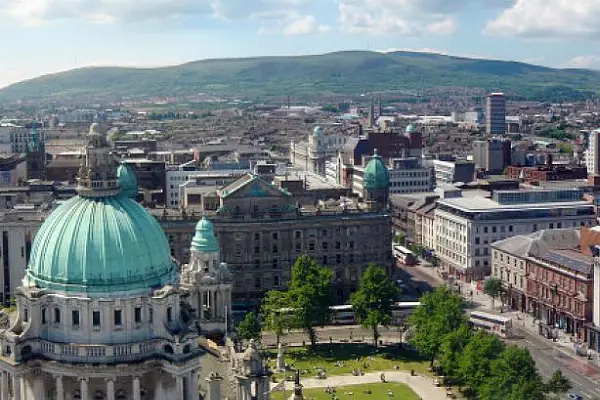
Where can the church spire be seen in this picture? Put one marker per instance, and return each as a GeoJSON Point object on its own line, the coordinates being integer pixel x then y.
{"type": "Point", "coordinates": [97, 175]}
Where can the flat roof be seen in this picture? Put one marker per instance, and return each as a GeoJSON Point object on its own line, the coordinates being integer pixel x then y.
{"type": "Point", "coordinates": [482, 204]}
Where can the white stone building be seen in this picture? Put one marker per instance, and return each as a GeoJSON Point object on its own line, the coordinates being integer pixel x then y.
{"type": "Point", "coordinates": [312, 154]}
{"type": "Point", "coordinates": [466, 226]}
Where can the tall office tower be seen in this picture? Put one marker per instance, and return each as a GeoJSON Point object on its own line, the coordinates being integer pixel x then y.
{"type": "Point", "coordinates": [592, 157]}
{"type": "Point", "coordinates": [495, 113]}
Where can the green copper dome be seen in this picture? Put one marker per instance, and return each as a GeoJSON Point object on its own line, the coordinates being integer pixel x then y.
{"type": "Point", "coordinates": [376, 175]}
{"type": "Point", "coordinates": [318, 131]}
{"type": "Point", "coordinates": [101, 246]}
{"type": "Point", "coordinates": [410, 128]}
{"type": "Point", "coordinates": [204, 240]}
{"type": "Point", "coordinates": [127, 181]}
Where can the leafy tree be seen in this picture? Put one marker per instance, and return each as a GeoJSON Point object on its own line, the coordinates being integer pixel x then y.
{"type": "Point", "coordinates": [249, 328]}
{"type": "Point", "coordinates": [374, 299]}
{"type": "Point", "coordinates": [399, 238]}
{"type": "Point", "coordinates": [558, 383]}
{"type": "Point", "coordinates": [440, 313]}
{"type": "Point", "coordinates": [474, 363]}
{"type": "Point", "coordinates": [309, 295]}
{"type": "Point", "coordinates": [493, 288]}
{"type": "Point", "coordinates": [513, 374]}
{"type": "Point", "coordinates": [452, 348]}
{"type": "Point", "coordinates": [272, 317]}
{"type": "Point", "coordinates": [434, 261]}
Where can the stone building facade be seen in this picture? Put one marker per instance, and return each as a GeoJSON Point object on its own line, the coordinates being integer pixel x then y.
{"type": "Point", "coordinates": [262, 231]}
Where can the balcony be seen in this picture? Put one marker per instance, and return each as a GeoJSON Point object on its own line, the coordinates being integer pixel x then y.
{"type": "Point", "coordinates": [118, 353]}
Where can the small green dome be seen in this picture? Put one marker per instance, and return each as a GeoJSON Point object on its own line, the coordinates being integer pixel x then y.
{"type": "Point", "coordinates": [376, 175]}
{"type": "Point", "coordinates": [410, 128]}
{"type": "Point", "coordinates": [127, 181]}
{"type": "Point", "coordinates": [100, 246]}
{"type": "Point", "coordinates": [318, 131]}
{"type": "Point", "coordinates": [204, 240]}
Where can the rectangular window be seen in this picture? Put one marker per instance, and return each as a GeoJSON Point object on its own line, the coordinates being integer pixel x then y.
{"type": "Point", "coordinates": [96, 318]}
{"type": "Point", "coordinates": [25, 315]}
{"type": "Point", "coordinates": [275, 249]}
{"type": "Point", "coordinates": [75, 317]}
{"type": "Point", "coordinates": [169, 314]}
{"type": "Point", "coordinates": [118, 317]}
{"type": "Point", "coordinates": [137, 315]}
{"type": "Point", "coordinates": [275, 280]}
{"type": "Point", "coordinates": [57, 315]}
{"type": "Point", "coordinates": [150, 314]}
{"type": "Point", "coordinates": [256, 250]}
{"type": "Point", "coordinates": [275, 236]}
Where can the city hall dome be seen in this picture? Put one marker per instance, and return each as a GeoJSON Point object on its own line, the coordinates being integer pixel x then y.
{"type": "Point", "coordinates": [376, 175]}
{"type": "Point", "coordinates": [101, 241]}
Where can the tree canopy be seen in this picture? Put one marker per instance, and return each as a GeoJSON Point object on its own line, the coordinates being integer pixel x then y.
{"type": "Point", "coordinates": [309, 295]}
{"type": "Point", "coordinates": [440, 313]}
{"type": "Point", "coordinates": [474, 363]}
{"type": "Point", "coordinates": [249, 328]}
{"type": "Point", "coordinates": [272, 316]}
{"type": "Point", "coordinates": [374, 299]}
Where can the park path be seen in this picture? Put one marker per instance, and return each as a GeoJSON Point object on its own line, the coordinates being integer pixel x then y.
{"type": "Point", "coordinates": [424, 387]}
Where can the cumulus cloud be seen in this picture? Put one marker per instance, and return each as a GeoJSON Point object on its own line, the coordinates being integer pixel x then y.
{"type": "Point", "coordinates": [304, 26]}
{"type": "Point", "coordinates": [291, 16]}
{"type": "Point", "coordinates": [588, 62]}
{"type": "Point", "coordinates": [400, 17]}
{"type": "Point", "coordinates": [547, 19]}
{"type": "Point", "coordinates": [101, 11]}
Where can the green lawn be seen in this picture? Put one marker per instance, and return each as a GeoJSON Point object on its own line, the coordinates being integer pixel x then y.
{"type": "Point", "coordinates": [379, 391]}
{"type": "Point", "coordinates": [352, 355]}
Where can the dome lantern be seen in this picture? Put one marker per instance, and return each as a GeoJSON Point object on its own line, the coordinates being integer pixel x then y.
{"type": "Point", "coordinates": [376, 175]}
{"type": "Point", "coordinates": [204, 240]}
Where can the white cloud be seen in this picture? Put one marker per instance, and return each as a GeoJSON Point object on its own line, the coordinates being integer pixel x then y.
{"type": "Point", "coordinates": [547, 19]}
{"type": "Point", "coordinates": [283, 13]}
{"type": "Point", "coordinates": [588, 62]}
{"type": "Point", "coordinates": [446, 26]}
{"type": "Point", "coordinates": [304, 26]}
{"type": "Point", "coordinates": [35, 12]}
{"type": "Point", "coordinates": [400, 17]}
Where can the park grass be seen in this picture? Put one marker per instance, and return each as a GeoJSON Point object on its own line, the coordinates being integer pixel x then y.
{"type": "Point", "coordinates": [379, 391]}
{"type": "Point", "coordinates": [353, 356]}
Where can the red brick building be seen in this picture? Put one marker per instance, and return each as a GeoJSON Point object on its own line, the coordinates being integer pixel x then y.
{"type": "Point", "coordinates": [559, 289]}
{"type": "Point", "coordinates": [547, 173]}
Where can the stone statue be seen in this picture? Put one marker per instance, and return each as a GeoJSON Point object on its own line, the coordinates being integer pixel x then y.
{"type": "Point", "coordinates": [280, 359]}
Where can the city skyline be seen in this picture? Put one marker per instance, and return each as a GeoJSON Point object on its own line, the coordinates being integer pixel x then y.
{"type": "Point", "coordinates": [46, 36]}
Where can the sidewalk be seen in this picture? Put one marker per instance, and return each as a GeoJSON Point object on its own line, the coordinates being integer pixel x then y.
{"type": "Point", "coordinates": [423, 386]}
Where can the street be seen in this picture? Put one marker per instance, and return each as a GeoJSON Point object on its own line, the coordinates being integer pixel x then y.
{"type": "Point", "coordinates": [548, 355]}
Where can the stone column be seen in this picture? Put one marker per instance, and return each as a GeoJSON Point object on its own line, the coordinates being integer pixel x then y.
{"type": "Point", "coordinates": [214, 386]}
{"type": "Point", "coordinates": [60, 389]}
{"type": "Point", "coordinates": [137, 393]}
{"type": "Point", "coordinates": [179, 387]}
{"type": "Point", "coordinates": [16, 386]}
{"type": "Point", "coordinates": [110, 389]}
{"type": "Point", "coordinates": [4, 384]}
{"type": "Point", "coordinates": [194, 392]}
{"type": "Point", "coordinates": [38, 386]}
{"type": "Point", "coordinates": [83, 388]}
{"type": "Point", "coordinates": [201, 311]}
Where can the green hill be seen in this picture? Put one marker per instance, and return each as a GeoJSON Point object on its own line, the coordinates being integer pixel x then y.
{"type": "Point", "coordinates": [341, 73]}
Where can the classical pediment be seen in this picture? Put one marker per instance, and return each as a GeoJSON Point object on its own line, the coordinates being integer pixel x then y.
{"type": "Point", "coordinates": [253, 187]}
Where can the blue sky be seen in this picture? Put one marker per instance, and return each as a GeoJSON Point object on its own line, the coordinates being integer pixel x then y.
{"type": "Point", "coordinates": [44, 36]}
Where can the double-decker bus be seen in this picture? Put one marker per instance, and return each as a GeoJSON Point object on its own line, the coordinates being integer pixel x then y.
{"type": "Point", "coordinates": [404, 255]}
{"type": "Point", "coordinates": [501, 326]}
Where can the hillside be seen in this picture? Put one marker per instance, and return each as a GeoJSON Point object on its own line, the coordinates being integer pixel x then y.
{"type": "Point", "coordinates": [341, 73]}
